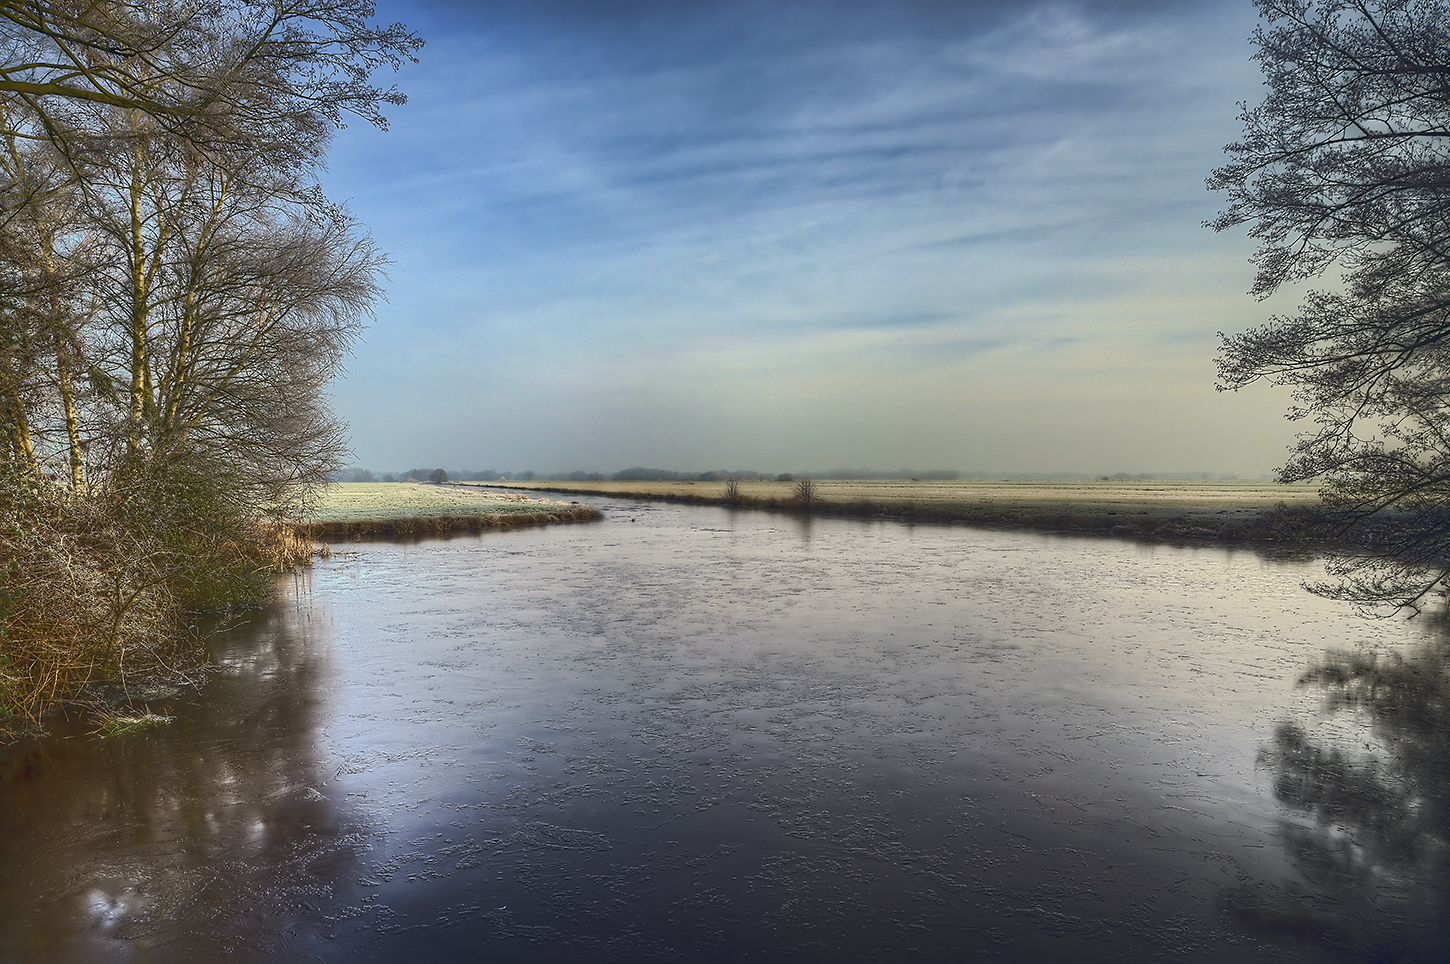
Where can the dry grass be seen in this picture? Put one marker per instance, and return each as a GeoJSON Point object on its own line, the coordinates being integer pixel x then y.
{"type": "Point", "coordinates": [1077, 496]}
{"type": "Point", "coordinates": [282, 548]}
{"type": "Point", "coordinates": [119, 723]}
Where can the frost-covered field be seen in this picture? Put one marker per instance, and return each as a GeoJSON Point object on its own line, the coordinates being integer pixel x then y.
{"type": "Point", "coordinates": [360, 501]}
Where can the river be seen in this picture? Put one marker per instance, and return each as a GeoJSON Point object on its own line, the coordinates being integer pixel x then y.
{"type": "Point", "coordinates": [692, 734]}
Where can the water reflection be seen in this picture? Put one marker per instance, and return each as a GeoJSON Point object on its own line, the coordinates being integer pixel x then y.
{"type": "Point", "coordinates": [690, 734]}
{"type": "Point", "coordinates": [1370, 788]}
{"type": "Point", "coordinates": [214, 837]}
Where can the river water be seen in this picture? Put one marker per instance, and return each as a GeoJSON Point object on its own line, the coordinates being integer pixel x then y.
{"type": "Point", "coordinates": [690, 734]}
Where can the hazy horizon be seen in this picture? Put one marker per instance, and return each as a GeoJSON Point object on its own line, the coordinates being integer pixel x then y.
{"type": "Point", "coordinates": [808, 234]}
{"type": "Point", "coordinates": [867, 473]}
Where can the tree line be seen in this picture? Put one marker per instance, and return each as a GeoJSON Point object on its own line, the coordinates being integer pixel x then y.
{"type": "Point", "coordinates": [175, 293]}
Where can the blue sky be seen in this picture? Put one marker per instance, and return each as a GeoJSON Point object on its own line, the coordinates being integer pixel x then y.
{"type": "Point", "coordinates": [806, 235]}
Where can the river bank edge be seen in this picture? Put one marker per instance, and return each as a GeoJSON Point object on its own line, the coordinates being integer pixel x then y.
{"type": "Point", "coordinates": [1301, 527]}
{"type": "Point", "coordinates": [1283, 528]}
{"type": "Point", "coordinates": [139, 703]}
{"type": "Point", "coordinates": [424, 527]}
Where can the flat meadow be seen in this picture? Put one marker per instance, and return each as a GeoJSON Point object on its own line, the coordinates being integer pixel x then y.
{"type": "Point", "coordinates": [363, 509]}
{"type": "Point", "coordinates": [357, 501]}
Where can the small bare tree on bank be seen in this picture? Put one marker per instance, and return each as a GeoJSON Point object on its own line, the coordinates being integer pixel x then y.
{"type": "Point", "coordinates": [732, 491]}
{"type": "Point", "coordinates": [806, 492]}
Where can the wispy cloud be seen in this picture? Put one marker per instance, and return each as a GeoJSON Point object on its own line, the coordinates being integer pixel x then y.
{"type": "Point", "coordinates": [586, 196]}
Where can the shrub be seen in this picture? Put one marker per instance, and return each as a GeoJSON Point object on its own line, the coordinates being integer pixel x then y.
{"type": "Point", "coordinates": [94, 587]}
{"type": "Point", "coordinates": [84, 600]}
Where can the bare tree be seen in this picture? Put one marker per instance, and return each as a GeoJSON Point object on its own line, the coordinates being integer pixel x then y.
{"type": "Point", "coordinates": [806, 492]}
{"type": "Point", "coordinates": [176, 121]}
{"type": "Point", "coordinates": [228, 307]}
{"type": "Point", "coordinates": [45, 254]}
{"type": "Point", "coordinates": [214, 71]}
{"type": "Point", "coordinates": [175, 293]}
{"type": "Point", "coordinates": [1346, 166]}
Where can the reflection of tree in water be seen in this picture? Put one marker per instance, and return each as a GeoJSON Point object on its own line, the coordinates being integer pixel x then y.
{"type": "Point", "coordinates": [211, 837]}
{"type": "Point", "coordinates": [1374, 850]}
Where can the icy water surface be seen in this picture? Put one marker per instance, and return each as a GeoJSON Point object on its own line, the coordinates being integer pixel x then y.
{"type": "Point", "coordinates": [684, 734]}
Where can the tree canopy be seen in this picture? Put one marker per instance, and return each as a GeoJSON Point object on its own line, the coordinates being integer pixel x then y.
{"type": "Point", "coordinates": [1345, 168]}
{"type": "Point", "coordinates": [214, 71]}
{"type": "Point", "coordinates": [176, 292]}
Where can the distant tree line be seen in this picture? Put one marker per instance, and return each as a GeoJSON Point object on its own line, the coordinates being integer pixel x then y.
{"type": "Point", "coordinates": [635, 474]}
{"type": "Point", "coordinates": [460, 475]}
{"type": "Point", "coordinates": [643, 474]}
{"type": "Point", "coordinates": [175, 293]}
{"type": "Point", "coordinates": [639, 473]}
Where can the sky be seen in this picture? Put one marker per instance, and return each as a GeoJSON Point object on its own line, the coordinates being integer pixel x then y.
{"type": "Point", "coordinates": [802, 235]}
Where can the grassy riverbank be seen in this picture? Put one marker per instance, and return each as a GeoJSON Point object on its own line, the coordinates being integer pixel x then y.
{"type": "Point", "coordinates": [362, 510]}
{"type": "Point", "coordinates": [1166, 510]}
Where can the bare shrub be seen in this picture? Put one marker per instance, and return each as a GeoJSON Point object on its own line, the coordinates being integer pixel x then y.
{"type": "Point", "coordinates": [806, 492]}
{"type": "Point", "coordinates": [732, 491]}
{"type": "Point", "coordinates": [95, 587]}
{"type": "Point", "coordinates": [86, 599]}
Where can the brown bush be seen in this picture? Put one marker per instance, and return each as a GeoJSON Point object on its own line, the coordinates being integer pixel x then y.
{"type": "Point", "coordinates": [806, 492]}
{"type": "Point", "coordinates": [82, 602]}
{"type": "Point", "coordinates": [96, 586]}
